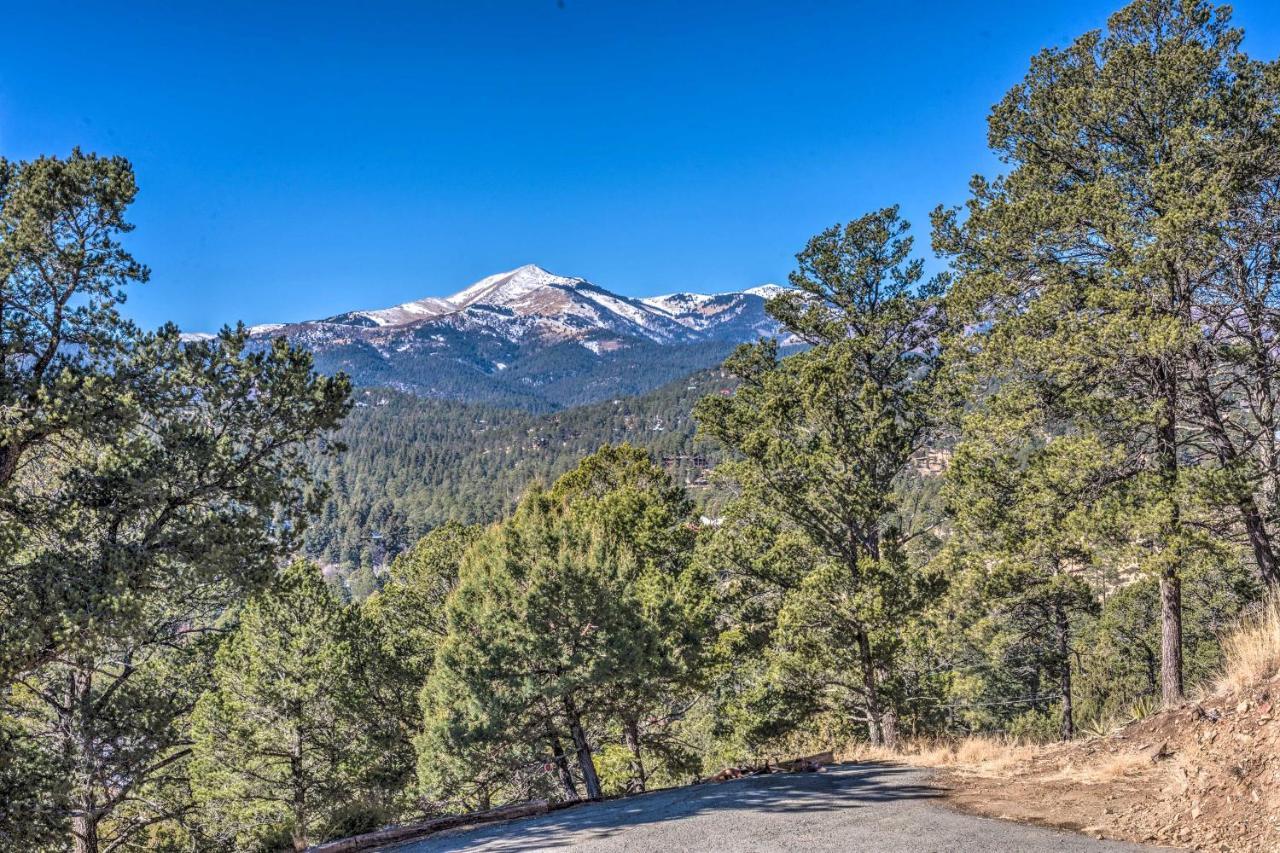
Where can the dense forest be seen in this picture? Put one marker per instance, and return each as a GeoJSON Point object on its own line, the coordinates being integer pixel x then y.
{"type": "Point", "coordinates": [537, 379]}
{"type": "Point", "coordinates": [1023, 497]}
{"type": "Point", "coordinates": [412, 464]}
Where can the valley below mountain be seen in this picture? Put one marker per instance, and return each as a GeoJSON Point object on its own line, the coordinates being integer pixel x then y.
{"type": "Point", "coordinates": [414, 463]}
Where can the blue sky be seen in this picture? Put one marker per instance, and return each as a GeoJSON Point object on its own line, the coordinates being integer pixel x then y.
{"type": "Point", "coordinates": [298, 160]}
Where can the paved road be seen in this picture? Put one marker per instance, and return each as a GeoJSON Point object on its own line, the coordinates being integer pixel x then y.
{"type": "Point", "coordinates": [851, 808]}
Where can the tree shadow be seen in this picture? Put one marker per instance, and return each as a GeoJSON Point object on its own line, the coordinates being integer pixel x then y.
{"type": "Point", "coordinates": [842, 786]}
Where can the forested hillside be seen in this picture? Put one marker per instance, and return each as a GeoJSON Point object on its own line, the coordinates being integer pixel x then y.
{"type": "Point", "coordinates": [412, 464]}
{"type": "Point", "coordinates": [538, 379]}
{"type": "Point", "coordinates": [1024, 498]}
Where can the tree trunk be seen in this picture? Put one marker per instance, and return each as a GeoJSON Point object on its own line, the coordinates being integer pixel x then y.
{"type": "Point", "coordinates": [1171, 638]}
{"type": "Point", "coordinates": [631, 733]}
{"type": "Point", "coordinates": [1260, 540]}
{"type": "Point", "coordinates": [299, 804]}
{"type": "Point", "coordinates": [78, 725]}
{"type": "Point", "coordinates": [1064, 670]}
{"type": "Point", "coordinates": [84, 832]}
{"type": "Point", "coordinates": [889, 727]}
{"type": "Point", "coordinates": [586, 763]}
{"type": "Point", "coordinates": [562, 768]}
{"type": "Point", "coordinates": [1170, 584]}
{"type": "Point", "coordinates": [875, 731]}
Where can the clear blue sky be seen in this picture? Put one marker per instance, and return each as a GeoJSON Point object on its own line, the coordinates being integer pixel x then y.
{"type": "Point", "coordinates": [298, 160]}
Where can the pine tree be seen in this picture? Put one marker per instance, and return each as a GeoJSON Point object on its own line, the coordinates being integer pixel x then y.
{"type": "Point", "coordinates": [825, 438]}
{"type": "Point", "coordinates": [62, 273]}
{"type": "Point", "coordinates": [562, 615]}
{"type": "Point", "coordinates": [410, 607]}
{"type": "Point", "coordinates": [1025, 533]}
{"type": "Point", "coordinates": [1140, 164]}
{"type": "Point", "coordinates": [530, 630]}
{"type": "Point", "coordinates": [648, 521]}
{"type": "Point", "coordinates": [145, 483]}
{"type": "Point", "coordinates": [289, 743]}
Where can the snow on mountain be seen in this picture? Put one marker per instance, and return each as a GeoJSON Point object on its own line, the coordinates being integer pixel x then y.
{"type": "Point", "coordinates": [564, 307]}
{"type": "Point", "coordinates": [766, 291]}
{"type": "Point", "coordinates": [675, 304]}
{"type": "Point", "coordinates": [738, 314]}
{"type": "Point", "coordinates": [513, 323]}
{"type": "Point", "coordinates": [506, 288]}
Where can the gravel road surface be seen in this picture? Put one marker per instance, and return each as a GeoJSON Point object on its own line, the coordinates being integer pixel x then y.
{"type": "Point", "coordinates": [850, 808]}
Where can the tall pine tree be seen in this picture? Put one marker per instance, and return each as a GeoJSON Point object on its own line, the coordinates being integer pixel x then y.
{"type": "Point", "coordinates": [825, 438]}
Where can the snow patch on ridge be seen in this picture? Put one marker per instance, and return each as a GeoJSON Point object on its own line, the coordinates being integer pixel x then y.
{"type": "Point", "coordinates": [532, 305]}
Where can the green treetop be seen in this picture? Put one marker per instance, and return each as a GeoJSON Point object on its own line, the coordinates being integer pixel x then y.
{"type": "Point", "coordinates": [1137, 160]}
{"type": "Point", "coordinates": [826, 436]}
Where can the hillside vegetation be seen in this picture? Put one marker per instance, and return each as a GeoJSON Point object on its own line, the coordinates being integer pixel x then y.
{"type": "Point", "coordinates": [412, 464]}
{"type": "Point", "coordinates": [1204, 776]}
{"type": "Point", "coordinates": [1021, 500]}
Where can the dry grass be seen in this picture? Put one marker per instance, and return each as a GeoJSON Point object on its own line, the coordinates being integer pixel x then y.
{"type": "Point", "coordinates": [1251, 650]}
{"type": "Point", "coordinates": [978, 754]}
{"type": "Point", "coordinates": [996, 757]}
{"type": "Point", "coordinates": [1106, 768]}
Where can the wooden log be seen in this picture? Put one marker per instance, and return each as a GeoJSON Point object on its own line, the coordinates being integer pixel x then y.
{"type": "Point", "coordinates": [808, 762]}
{"type": "Point", "coordinates": [409, 832]}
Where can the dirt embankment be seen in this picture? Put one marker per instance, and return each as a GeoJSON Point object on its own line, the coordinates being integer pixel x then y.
{"type": "Point", "coordinates": [1205, 776]}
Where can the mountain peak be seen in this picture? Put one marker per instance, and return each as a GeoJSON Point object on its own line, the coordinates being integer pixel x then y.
{"type": "Point", "coordinates": [529, 334]}
{"type": "Point", "coordinates": [505, 287]}
{"type": "Point", "coordinates": [532, 303]}
{"type": "Point", "coordinates": [767, 291]}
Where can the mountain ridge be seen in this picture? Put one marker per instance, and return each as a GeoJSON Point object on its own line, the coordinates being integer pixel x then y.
{"type": "Point", "coordinates": [527, 290]}
{"type": "Point", "coordinates": [532, 339]}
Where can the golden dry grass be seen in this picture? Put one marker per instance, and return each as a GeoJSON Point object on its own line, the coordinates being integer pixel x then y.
{"type": "Point", "coordinates": [996, 757]}
{"type": "Point", "coordinates": [977, 754]}
{"type": "Point", "coordinates": [1105, 768]}
{"type": "Point", "coordinates": [1251, 650]}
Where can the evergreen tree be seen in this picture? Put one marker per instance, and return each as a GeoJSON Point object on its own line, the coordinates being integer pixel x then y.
{"type": "Point", "coordinates": [1025, 533]}
{"type": "Point", "coordinates": [825, 437]}
{"type": "Point", "coordinates": [531, 627]}
{"type": "Point", "coordinates": [410, 607]}
{"type": "Point", "coordinates": [561, 616]}
{"type": "Point", "coordinates": [144, 543]}
{"type": "Point", "coordinates": [1134, 155]}
{"type": "Point", "coordinates": [289, 743]}
{"type": "Point", "coordinates": [147, 483]}
{"type": "Point", "coordinates": [62, 274]}
{"type": "Point", "coordinates": [648, 521]}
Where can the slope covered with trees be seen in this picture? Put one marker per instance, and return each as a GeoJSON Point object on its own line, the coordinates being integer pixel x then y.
{"type": "Point", "coordinates": [412, 464]}
{"type": "Point", "coordinates": [554, 614]}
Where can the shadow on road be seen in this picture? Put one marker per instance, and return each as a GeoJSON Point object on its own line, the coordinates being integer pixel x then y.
{"type": "Point", "coordinates": [835, 788]}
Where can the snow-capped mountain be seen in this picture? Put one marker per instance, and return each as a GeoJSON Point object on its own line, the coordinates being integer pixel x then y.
{"type": "Point", "coordinates": [533, 338]}
{"type": "Point", "coordinates": [737, 315]}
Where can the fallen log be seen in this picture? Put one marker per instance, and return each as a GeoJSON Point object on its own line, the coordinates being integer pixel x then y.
{"type": "Point", "coordinates": [411, 831]}
{"type": "Point", "coordinates": [805, 764]}
{"type": "Point", "coordinates": [808, 763]}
